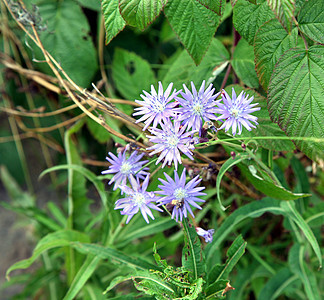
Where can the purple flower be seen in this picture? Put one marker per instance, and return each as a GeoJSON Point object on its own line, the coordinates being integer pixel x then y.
{"type": "Point", "coordinates": [125, 167]}
{"type": "Point", "coordinates": [156, 106]}
{"type": "Point", "coordinates": [137, 199]}
{"type": "Point", "coordinates": [180, 195]}
{"type": "Point", "coordinates": [169, 141]}
{"type": "Point", "coordinates": [236, 112]}
{"type": "Point", "coordinates": [197, 106]}
{"type": "Point", "coordinates": [206, 234]}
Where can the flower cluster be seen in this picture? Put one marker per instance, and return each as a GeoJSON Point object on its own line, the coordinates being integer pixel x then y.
{"type": "Point", "coordinates": [177, 121]}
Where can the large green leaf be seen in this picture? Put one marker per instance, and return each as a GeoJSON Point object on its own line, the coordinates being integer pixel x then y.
{"type": "Point", "coordinates": [271, 41]}
{"type": "Point", "coordinates": [131, 74]}
{"type": "Point", "coordinates": [284, 11]}
{"type": "Point", "coordinates": [183, 70]}
{"type": "Point", "coordinates": [215, 5]}
{"type": "Point", "coordinates": [193, 258]}
{"type": "Point", "coordinates": [194, 24]}
{"type": "Point", "coordinates": [266, 127]}
{"type": "Point", "coordinates": [67, 39]}
{"type": "Point", "coordinates": [295, 98]}
{"type": "Point", "coordinates": [243, 64]}
{"type": "Point", "coordinates": [311, 20]}
{"type": "Point", "coordinates": [52, 240]}
{"type": "Point", "coordinates": [248, 17]}
{"type": "Point", "coordinates": [140, 13]}
{"type": "Point", "coordinates": [114, 22]}
{"type": "Point", "coordinates": [298, 266]}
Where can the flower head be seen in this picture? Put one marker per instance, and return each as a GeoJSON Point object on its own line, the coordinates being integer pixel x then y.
{"type": "Point", "coordinates": [170, 140]}
{"type": "Point", "coordinates": [137, 198]}
{"type": "Point", "coordinates": [236, 112]}
{"type": "Point", "coordinates": [156, 106]}
{"type": "Point", "coordinates": [125, 167]}
{"type": "Point", "coordinates": [197, 106]}
{"type": "Point", "coordinates": [206, 234]}
{"type": "Point", "coordinates": [180, 195]}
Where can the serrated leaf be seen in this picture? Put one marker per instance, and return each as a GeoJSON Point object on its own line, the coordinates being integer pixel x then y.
{"type": "Point", "coordinates": [215, 5]}
{"type": "Point", "coordinates": [292, 213]}
{"type": "Point", "coordinates": [52, 240]}
{"type": "Point", "coordinates": [140, 13]}
{"type": "Point", "coordinates": [194, 24]}
{"type": "Point", "coordinates": [114, 255]}
{"type": "Point", "coordinates": [243, 64]}
{"type": "Point", "coordinates": [298, 266]}
{"type": "Point", "coordinates": [284, 11]}
{"type": "Point", "coordinates": [183, 70]}
{"type": "Point", "coordinates": [234, 253]}
{"type": "Point", "coordinates": [268, 50]}
{"type": "Point", "coordinates": [252, 210]}
{"type": "Point", "coordinates": [266, 127]}
{"type": "Point", "coordinates": [248, 17]}
{"type": "Point", "coordinates": [131, 74]}
{"type": "Point", "coordinates": [72, 48]}
{"type": "Point", "coordinates": [114, 22]}
{"type": "Point", "coordinates": [226, 166]}
{"type": "Point", "coordinates": [277, 284]}
{"type": "Point", "coordinates": [311, 20]}
{"type": "Point", "coordinates": [193, 258]}
{"type": "Point", "coordinates": [295, 97]}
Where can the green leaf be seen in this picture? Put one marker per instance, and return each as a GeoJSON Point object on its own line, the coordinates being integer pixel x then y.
{"type": "Point", "coordinates": [277, 284]}
{"type": "Point", "coordinates": [114, 22]}
{"type": "Point", "coordinates": [266, 127]}
{"type": "Point", "coordinates": [314, 216]}
{"type": "Point", "coordinates": [84, 273]}
{"type": "Point", "coordinates": [265, 185]}
{"type": "Point", "coordinates": [183, 70]}
{"type": "Point", "coordinates": [227, 165]}
{"type": "Point", "coordinates": [131, 74]}
{"type": "Point", "coordinates": [243, 64]}
{"type": "Point", "coordinates": [295, 98]}
{"type": "Point", "coordinates": [298, 266]}
{"type": "Point", "coordinates": [234, 253]}
{"type": "Point", "coordinates": [284, 11]}
{"type": "Point", "coordinates": [60, 238]}
{"type": "Point", "coordinates": [194, 24]}
{"type": "Point", "coordinates": [252, 210]}
{"type": "Point", "coordinates": [192, 256]}
{"type": "Point", "coordinates": [117, 280]}
{"type": "Point", "coordinates": [72, 48]}
{"type": "Point", "coordinates": [292, 212]}
{"type": "Point", "coordinates": [268, 50]}
{"type": "Point", "coordinates": [216, 6]}
{"type": "Point", "coordinates": [311, 20]}
{"type": "Point", "coordinates": [248, 17]}
{"type": "Point", "coordinates": [114, 255]}
{"type": "Point", "coordinates": [140, 13]}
